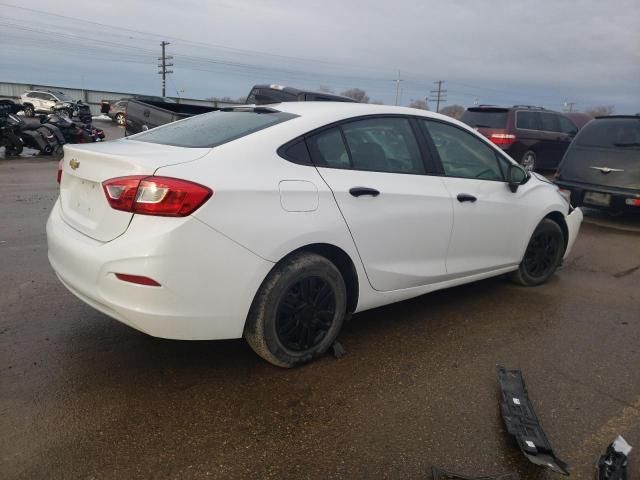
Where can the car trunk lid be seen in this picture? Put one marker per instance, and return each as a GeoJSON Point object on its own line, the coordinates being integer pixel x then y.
{"type": "Point", "coordinates": [82, 198]}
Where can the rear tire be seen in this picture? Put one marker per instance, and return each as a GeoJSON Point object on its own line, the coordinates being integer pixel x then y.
{"type": "Point", "coordinates": [120, 119]}
{"type": "Point", "coordinates": [298, 311]}
{"type": "Point", "coordinates": [529, 160]}
{"type": "Point", "coordinates": [28, 110]}
{"type": "Point", "coordinates": [543, 255]}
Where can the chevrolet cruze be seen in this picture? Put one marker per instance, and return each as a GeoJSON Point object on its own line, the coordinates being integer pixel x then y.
{"type": "Point", "coordinates": [276, 222]}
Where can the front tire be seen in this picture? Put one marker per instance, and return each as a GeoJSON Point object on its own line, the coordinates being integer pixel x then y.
{"type": "Point", "coordinates": [28, 110]}
{"type": "Point", "coordinates": [543, 255]}
{"type": "Point", "coordinates": [298, 311]}
{"type": "Point", "coordinates": [120, 119]}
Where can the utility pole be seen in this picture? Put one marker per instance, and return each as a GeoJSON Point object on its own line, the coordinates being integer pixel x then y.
{"type": "Point", "coordinates": [398, 80]}
{"type": "Point", "coordinates": [163, 66]}
{"type": "Point", "coordinates": [568, 106]}
{"type": "Point", "coordinates": [438, 95]}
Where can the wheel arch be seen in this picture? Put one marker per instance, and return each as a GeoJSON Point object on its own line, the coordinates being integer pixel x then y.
{"type": "Point", "coordinates": [343, 263]}
{"type": "Point", "coordinates": [558, 217]}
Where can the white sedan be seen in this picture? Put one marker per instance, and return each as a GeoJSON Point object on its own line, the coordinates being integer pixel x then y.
{"type": "Point", "coordinates": [277, 222]}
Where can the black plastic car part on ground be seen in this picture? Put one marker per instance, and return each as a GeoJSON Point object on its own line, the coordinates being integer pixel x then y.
{"type": "Point", "coordinates": [439, 474]}
{"type": "Point", "coordinates": [601, 168]}
{"type": "Point", "coordinates": [613, 464]}
{"type": "Point", "coordinates": [522, 422]}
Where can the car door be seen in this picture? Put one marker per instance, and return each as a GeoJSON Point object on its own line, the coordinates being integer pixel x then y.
{"type": "Point", "coordinates": [489, 221]}
{"type": "Point", "coordinates": [36, 100]}
{"type": "Point", "coordinates": [530, 132]}
{"type": "Point", "coordinates": [399, 216]}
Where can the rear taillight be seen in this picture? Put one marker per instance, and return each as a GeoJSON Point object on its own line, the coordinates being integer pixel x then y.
{"type": "Point", "coordinates": [139, 279]}
{"type": "Point", "coordinates": [59, 170]}
{"type": "Point", "coordinates": [634, 202]}
{"type": "Point", "coordinates": [502, 138]}
{"type": "Point", "coordinates": [163, 196]}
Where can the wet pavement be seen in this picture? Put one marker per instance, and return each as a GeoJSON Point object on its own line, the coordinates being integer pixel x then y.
{"type": "Point", "coordinates": [82, 396]}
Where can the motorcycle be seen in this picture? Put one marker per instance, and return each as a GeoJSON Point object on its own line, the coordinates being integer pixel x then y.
{"type": "Point", "coordinates": [74, 132]}
{"type": "Point", "coordinates": [9, 132]}
{"type": "Point", "coordinates": [73, 109]}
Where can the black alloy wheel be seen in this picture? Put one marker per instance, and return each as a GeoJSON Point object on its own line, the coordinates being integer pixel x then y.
{"type": "Point", "coordinates": [542, 253]}
{"type": "Point", "coordinates": [305, 314]}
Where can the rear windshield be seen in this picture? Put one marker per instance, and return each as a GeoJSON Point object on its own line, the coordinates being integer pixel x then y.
{"type": "Point", "coordinates": [485, 118]}
{"type": "Point", "coordinates": [611, 133]}
{"type": "Point", "coordinates": [213, 129]}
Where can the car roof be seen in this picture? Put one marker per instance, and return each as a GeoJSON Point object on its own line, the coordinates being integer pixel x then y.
{"type": "Point", "coordinates": [317, 114]}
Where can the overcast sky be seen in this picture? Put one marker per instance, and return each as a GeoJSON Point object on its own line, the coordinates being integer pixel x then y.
{"type": "Point", "coordinates": [540, 52]}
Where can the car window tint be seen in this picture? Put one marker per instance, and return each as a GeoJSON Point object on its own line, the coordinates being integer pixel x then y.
{"type": "Point", "coordinates": [212, 129]}
{"type": "Point", "coordinates": [462, 154]}
{"type": "Point", "coordinates": [485, 117]}
{"type": "Point", "coordinates": [549, 122]}
{"type": "Point", "coordinates": [328, 149]}
{"type": "Point", "coordinates": [567, 126]}
{"type": "Point", "coordinates": [528, 120]}
{"type": "Point", "coordinates": [383, 145]}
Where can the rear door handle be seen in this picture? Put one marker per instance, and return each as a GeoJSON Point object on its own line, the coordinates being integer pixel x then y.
{"type": "Point", "coordinates": [465, 197]}
{"type": "Point", "coordinates": [359, 191]}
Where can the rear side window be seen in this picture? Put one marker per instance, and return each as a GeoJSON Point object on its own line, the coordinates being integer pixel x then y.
{"type": "Point", "coordinates": [328, 149]}
{"type": "Point", "coordinates": [212, 129]}
{"type": "Point", "coordinates": [611, 133]}
{"type": "Point", "coordinates": [485, 118]}
{"type": "Point", "coordinates": [383, 145]}
{"type": "Point", "coordinates": [528, 120]}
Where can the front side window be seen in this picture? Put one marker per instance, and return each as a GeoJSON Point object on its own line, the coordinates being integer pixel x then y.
{"type": "Point", "coordinates": [212, 129]}
{"type": "Point", "coordinates": [549, 122]}
{"type": "Point", "coordinates": [462, 154]}
{"type": "Point", "coordinates": [567, 126]}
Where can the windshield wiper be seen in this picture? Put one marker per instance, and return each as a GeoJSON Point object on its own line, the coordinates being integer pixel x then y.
{"type": "Point", "coordinates": [630, 144]}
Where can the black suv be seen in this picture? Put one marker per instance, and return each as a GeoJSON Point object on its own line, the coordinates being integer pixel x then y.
{"type": "Point", "coordinates": [533, 136]}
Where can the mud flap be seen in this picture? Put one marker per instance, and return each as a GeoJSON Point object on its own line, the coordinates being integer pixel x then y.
{"type": "Point", "coordinates": [439, 474]}
{"type": "Point", "coordinates": [522, 422]}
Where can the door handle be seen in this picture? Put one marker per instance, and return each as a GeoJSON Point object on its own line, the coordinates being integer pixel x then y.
{"type": "Point", "coordinates": [465, 197]}
{"type": "Point", "coordinates": [359, 191]}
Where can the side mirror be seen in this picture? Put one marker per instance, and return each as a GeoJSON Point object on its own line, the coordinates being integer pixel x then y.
{"type": "Point", "coordinates": [516, 176]}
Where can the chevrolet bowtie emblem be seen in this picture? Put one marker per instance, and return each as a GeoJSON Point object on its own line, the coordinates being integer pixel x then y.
{"type": "Point", "coordinates": [607, 169]}
{"type": "Point", "coordinates": [74, 163]}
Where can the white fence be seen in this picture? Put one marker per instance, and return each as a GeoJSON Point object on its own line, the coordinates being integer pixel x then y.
{"type": "Point", "coordinates": [93, 98]}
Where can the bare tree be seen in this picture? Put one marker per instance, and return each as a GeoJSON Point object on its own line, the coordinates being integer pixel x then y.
{"type": "Point", "coordinates": [227, 99]}
{"type": "Point", "coordinates": [421, 104]}
{"type": "Point", "coordinates": [377, 102]}
{"type": "Point", "coordinates": [325, 89]}
{"type": "Point", "coordinates": [357, 94]}
{"type": "Point", "coordinates": [453, 111]}
{"type": "Point", "coordinates": [600, 110]}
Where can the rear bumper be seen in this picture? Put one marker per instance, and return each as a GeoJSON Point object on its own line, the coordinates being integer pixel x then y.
{"type": "Point", "coordinates": [618, 195]}
{"type": "Point", "coordinates": [207, 281]}
{"type": "Point", "coordinates": [573, 220]}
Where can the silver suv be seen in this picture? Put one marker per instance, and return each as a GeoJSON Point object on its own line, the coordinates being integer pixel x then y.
{"type": "Point", "coordinates": [41, 101]}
